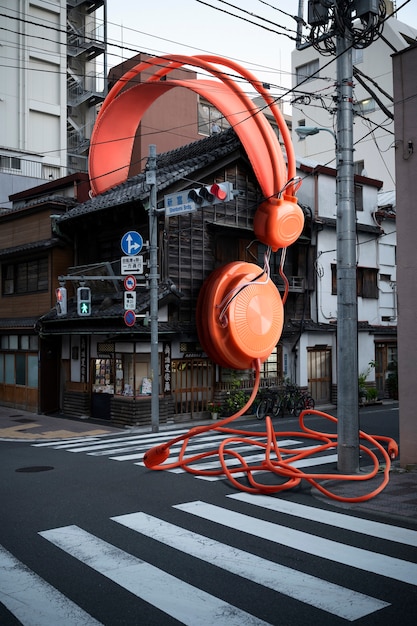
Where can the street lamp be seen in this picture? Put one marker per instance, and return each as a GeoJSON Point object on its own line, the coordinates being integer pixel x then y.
{"type": "Point", "coordinates": [306, 131]}
{"type": "Point", "coordinates": [347, 314]}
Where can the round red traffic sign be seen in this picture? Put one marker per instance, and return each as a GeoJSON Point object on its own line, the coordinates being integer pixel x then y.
{"type": "Point", "coordinates": [130, 283]}
{"type": "Point", "coordinates": [130, 318]}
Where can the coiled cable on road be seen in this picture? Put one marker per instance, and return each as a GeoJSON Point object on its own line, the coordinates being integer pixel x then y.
{"type": "Point", "coordinates": [280, 462]}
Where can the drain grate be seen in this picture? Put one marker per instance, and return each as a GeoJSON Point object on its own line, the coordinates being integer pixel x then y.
{"type": "Point", "coordinates": [23, 420]}
{"type": "Point", "coordinates": [35, 468]}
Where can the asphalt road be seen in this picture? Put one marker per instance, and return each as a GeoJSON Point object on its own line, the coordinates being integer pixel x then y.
{"type": "Point", "coordinates": [90, 536]}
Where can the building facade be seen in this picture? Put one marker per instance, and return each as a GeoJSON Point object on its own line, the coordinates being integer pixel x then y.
{"type": "Point", "coordinates": [99, 365]}
{"type": "Point", "coordinates": [51, 81]}
{"type": "Point", "coordinates": [313, 102]}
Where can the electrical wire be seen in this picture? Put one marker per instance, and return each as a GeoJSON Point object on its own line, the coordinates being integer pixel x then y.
{"type": "Point", "coordinates": [278, 462]}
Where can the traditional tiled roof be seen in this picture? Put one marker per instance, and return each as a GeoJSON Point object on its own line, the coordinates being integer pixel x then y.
{"type": "Point", "coordinates": [172, 166]}
{"type": "Point", "coordinates": [45, 244]}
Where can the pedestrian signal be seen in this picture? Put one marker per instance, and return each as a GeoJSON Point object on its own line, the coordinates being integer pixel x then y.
{"type": "Point", "coordinates": [84, 301]}
{"type": "Point", "coordinates": [61, 301]}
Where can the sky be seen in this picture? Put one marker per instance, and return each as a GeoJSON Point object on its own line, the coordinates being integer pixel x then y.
{"type": "Point", "coordinates": [193, 26]}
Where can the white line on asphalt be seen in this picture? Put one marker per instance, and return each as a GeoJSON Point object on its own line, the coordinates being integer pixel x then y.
{"type": "Point", "coordinates": [322, 594]}
{"type": "Point", "coordinates": [183, 601]}
{"type": "Point", "coordinates": [331, 518]}
{"type": "Point", "coordinates": [32, 600]}
{"type": "Point", "coordinates": [365, 560]}
{"type": "Point", "coordinates": [314, 461]}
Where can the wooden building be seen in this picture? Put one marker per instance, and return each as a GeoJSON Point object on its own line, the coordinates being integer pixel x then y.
{"type": "Point", "coordinates": [105, 364]}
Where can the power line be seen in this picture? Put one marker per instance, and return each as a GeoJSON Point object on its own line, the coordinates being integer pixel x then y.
{"type": "Point", "coordinates": [250, 21]}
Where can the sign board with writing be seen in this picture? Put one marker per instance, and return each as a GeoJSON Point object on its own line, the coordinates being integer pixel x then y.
{"type": "Point", "coordinates": [130, 300]}
{"type": "Point", "coordinates": [131, 265]}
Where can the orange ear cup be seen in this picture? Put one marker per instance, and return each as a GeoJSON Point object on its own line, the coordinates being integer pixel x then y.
{"type": "Point", "coordinates": [278, 222]}
{"type": "Point", "coordinates": [239, 315]}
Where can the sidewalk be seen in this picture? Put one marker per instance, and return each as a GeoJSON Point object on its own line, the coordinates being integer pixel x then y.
{"type": "Point", "coordinates": [25, 426]}
{"type": "Point", "coordinates": [397, 501]}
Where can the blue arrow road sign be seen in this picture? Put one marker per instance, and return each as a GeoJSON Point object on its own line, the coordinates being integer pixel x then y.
{"type": "Point", "coordinates": [131, 243]}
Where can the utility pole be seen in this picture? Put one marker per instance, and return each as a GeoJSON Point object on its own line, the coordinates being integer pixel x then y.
{"type": "Point", "coordinates": [347, 309]}
{"type": "Point", "coordinates": [337, 26]}
{"type": "Point", "coordinates": [153, 286]}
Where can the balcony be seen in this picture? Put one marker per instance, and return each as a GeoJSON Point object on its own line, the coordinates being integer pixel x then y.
{"type": "Point", "coordinates": [296, 283]}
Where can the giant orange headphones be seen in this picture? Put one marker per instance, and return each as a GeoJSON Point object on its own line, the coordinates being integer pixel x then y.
{"type": "Point", "coordinates": [239, 309]}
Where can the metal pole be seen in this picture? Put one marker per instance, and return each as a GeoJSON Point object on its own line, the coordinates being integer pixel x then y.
{"type": "Point", "coordinates": [347, 313]}
{"type": "Point", "coordinates": [153, 286]}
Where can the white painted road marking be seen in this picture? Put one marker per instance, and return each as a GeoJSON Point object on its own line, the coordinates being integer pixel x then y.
{"type": "Point", "coordinates": [368, 561]}
{"type": "Point", "coordinates": [321, 594]}
{"type": "Point", "coordinates": [34, 601]}
{"type": "Point", "coordinates": [177, 598]}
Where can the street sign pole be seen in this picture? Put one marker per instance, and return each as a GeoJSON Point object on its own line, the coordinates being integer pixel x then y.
{"type": "Point", "coordinates": [153, 286]}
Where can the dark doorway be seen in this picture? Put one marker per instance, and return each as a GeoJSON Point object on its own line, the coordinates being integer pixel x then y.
{"type": "Point", "coordinates": [49, 375]}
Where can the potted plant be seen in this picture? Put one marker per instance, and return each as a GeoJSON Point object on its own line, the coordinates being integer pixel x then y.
{"type": "Point", "coordinates": [362, 386]}
{"type": "Point", "coordinates": [234, 401]}
{"type": "Point", "coordinates": [214, 408]}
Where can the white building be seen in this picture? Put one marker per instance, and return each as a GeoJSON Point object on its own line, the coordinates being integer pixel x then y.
{"type": "Point", "coordinates": [51, 79]}
{"type": "Point", "coordinates": [373, 131]}
{"type": "Point", "coordinates": [312, 361]}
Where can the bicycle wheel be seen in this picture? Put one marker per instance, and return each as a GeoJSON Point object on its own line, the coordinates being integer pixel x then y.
{"type": "Point", "coordinates": [309, 402]}
{"type": "Point", "coordinates": [298, 406]}
{"type": "Point", "coordinates": [262, 409]}
{"type": "Point", "coordinates": [277, 407]}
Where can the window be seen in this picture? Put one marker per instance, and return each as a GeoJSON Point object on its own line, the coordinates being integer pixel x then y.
{"type": "Point", "coordinates": [17, 365]}
{"type": "Point", "coordinates": [358, 167]}
{"type": "Point", "coordinates": [25, 277]}
{"type": "Point", "coordinates": [210, 121]}
{"type": "Point", "coordinates": [358, 197]}
{"type": "Point", "coordinates": [9, 163]}
{"type": "Point", "coordinates": [272, 367]}
{"type": "Point", "coordinates": [366, 281]}
{"type": "Point", "coordinates": [367, 286]}
{"type": "Point", "coordinates": [307, 71]}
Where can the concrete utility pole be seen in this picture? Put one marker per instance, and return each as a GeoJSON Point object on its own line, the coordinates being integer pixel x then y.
{"type": "Point", "coordinates": [347, 309]}
{"type": "Point", "coordinates": [153, 286]}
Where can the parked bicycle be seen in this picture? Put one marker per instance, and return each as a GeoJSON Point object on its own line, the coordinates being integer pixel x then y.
{"type": "Point", "coordinates": [294, 400]}
{"type": "Point", "coordinates": [290, 399]}
{"type": "Point", "coordinates": [269, 403]}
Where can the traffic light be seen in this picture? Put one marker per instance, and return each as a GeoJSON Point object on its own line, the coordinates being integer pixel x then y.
{"type": "Point", "coordinates": [61, 301]}
{"type": "Point", "coordinates": [211, 194]}
{"type": "Point", "coordinates": [84, 301]}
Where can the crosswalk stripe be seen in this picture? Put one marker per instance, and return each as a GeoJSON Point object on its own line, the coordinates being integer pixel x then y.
{"type": "Point", "coordinates": [322, 594]}
{"type": "Point", "coordinates": [189, 604]}
{"type": "Point", "coordinates": [146, 439]}
{"type": "Point", "coordinates": [200, 444]}
{"type": "Point", "coordinates": [64, 443]}
{"type": "Point", "coordinates": [32, 600]}
{"type": "Point", "coordinates": [347, 522]}
{"type": "Point", "coordinates": [366, 560]}
{"type": "Point", "coordinates": [320, 460]}
{"type": "Point", "coordinates": [197, 444]}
